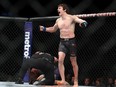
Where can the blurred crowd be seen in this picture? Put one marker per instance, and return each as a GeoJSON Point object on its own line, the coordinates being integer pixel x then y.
{"type": "Point", "coordinates": [98, 82]}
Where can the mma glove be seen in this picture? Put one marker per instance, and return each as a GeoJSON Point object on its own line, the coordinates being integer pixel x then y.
{"type": "Point", "coordinates": [84, 24]}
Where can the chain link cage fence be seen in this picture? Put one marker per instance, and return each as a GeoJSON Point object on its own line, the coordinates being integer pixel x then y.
{"type": "Point", "coordinates": [96, 46]}
{"type": "Point", "coordinates": [11, 46]}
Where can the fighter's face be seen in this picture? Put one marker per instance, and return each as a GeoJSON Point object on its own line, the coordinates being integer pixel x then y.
{"type": "Point", "coordinates": [60, 10]}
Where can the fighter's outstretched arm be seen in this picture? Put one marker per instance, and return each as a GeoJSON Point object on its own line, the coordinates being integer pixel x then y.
{"type": "Point", "coordinates": [49, 29]}
{"type": "Point", "coordinates": [82, 23]}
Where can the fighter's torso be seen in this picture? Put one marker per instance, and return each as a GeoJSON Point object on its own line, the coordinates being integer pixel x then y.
{"type": "Point", "coordinates": [66, 26]}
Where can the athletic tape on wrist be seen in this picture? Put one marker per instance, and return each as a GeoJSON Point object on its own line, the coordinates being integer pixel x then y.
{"type": "Point", "coordinates": [44, 29]}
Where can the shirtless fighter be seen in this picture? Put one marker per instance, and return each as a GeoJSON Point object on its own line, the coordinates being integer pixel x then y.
{"type": "Point", "coordinates": [66, 24]}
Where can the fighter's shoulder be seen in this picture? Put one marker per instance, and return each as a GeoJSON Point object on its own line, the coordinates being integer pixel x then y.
{"type": "Point", "coordinates": [58, 19]}
{"type": "Point", "coordinates": [74, 16]}
{"type": "Point", "coordinates": [48, 54]}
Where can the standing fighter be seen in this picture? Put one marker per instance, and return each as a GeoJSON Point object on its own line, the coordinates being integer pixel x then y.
{"type": "Point", "coordinates": [66, 24]}
{"type": "Point", "coordinates": [42, 61]}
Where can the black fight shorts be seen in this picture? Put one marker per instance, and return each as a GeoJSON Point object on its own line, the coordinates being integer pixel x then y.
{"type": "Point", "coordinates": [68, 46]}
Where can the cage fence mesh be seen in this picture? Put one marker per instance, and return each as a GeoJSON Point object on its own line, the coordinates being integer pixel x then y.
{"type": "Point", "coordinates": [96, 47]}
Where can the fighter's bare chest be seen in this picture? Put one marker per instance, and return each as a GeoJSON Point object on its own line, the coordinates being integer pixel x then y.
{"type": "Point", "coordinates": [64, 23]}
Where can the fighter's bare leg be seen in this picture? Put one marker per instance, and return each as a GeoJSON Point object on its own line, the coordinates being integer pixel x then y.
{"type": "Point", "coordinates": [61, 67]}
{"type": "Point", "coordinates": [75, 70]}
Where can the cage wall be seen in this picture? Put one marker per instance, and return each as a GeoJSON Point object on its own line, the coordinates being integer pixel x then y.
{"type": "Point", "coordinates": [11, 46]}
{"type": "Point", "coordinates": [96, 47]}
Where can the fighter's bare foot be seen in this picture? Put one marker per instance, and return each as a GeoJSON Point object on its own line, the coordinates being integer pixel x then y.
{"type": "Point", "coordinates": [62, 83]}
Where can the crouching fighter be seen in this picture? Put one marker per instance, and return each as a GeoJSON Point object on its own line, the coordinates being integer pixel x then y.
{"type": "Point", "coordinates": [42, 61]}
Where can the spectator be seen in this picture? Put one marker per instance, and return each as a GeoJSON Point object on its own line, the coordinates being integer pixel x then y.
{"type": "Point", "coordinates": [87, 82]}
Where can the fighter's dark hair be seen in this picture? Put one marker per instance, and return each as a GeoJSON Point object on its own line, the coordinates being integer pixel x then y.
{"type": "Point", "coordinates": [65, 7]}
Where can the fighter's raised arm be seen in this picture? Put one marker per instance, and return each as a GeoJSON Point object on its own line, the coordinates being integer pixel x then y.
{"type": "Point", "coordinates": [82, 23]}
{"type": "Point", "coordinates": [49, 29]}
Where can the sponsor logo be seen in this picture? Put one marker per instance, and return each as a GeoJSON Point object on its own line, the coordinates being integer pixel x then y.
{"type": "Point", "coordinates": [27, 45]}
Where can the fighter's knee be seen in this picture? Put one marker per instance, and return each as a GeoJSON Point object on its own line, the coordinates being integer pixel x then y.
{"type": "Point", "coordinates": [60, 60]}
